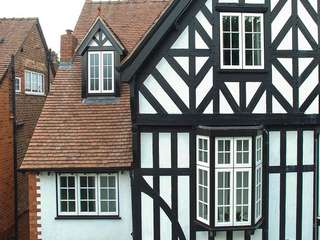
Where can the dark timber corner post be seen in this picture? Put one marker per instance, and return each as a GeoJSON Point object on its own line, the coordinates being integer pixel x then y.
{"type": "Point", "coordinates": [15, 165]}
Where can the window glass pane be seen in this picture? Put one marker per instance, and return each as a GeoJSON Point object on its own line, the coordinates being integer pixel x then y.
{"type": "Point", "coordinates": [242, 196]}
{"type": "Point", "coordinates": [87, 193]}
{"type": "Point", "coordinates": [242, 151]}
{"type": "Point", "coordinates": [67, 193]}
{"type": "Point", "coordinates": [107, 71]}
{"type": "Point", "coordinates": [224, 152]}
{"type": "Point", "coordinates": [235, 23]}
{"type": "Point", "coordinates": [226, 57]}
{"type": "Point", "coordinates": [203, 194]}
{"type": "Point", "coordinates": [203, 150]}
{"type": "Point", "coordinates": [28, 81]}
{"type": "Point", "coordinates": [224, 198]}
{"type": "Point", "coordinates": [226, 23]}
{"type": "Point", "coordinates": [108, 194]}
{"type": "Point", "coordinates": [94, 71]}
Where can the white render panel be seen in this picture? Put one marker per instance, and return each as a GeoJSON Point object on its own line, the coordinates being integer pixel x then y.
{"type": "Point", "coordinates": [209, 5]}
{"type": "Point", "coordinates": [281, 19]}
{"type": "Point", "coordinates": [282, 85]}
{"type": "Point", "coordinates": [291, 147]}
{"type": "Point", "coordinates": [200, 43]}
{"type": "Point", "coordinates": [165, 150]}
{"type": "Point", "coordinates": [203, 235]}
{"type": "Point", "coordinates": [274, 148]}
{"type": "Point", "coordinates": [303, 64]}
{"type": "Point", "coordinates": [287, 64]}
{"type": "Point", "coordinates": [303, 43]}
{"type": "Point", "coordinates": [291, 205]}
{"type": "Point", "coordinates": [174, 80]}
{"type": "Point", "coordinates": [224, 105]}
{"type": "Point", "coordinates": [313, 107]}
{"type": "Point", "coordinates": [261, 106]}
{"type": "Point", "coordinates": [53, 229]}
{"type": "Point", "coordinates": [276, 106]}
{"type": "Point", "coordinates": [200, 61]}
{"type": "Point", "coordinates": [147, 229]}
{"type": "Point", "coordinates": [251, 89]}
{"type": "Point", "coordinates": [273, 3]}
{"type": "Point", "coordinates": [314, 4]}
{"type": "Point", "coordinates": [307, 205]}
{"type": "Point", "coordinates": [274, 206]}
{"type": "Point", "coordinates": [183, 62]}
{"type": "Point", "coordinates": [162, 97]}
{"type": "Point", "coordinates": [183, 40]}
{"type": "Point", "coordinates": [234, 88]}
{"type": "Point", "coordinates": [308, 85]}
{"type": "Point", "coordinates": [286, 43]}
{"type": "Point", "coordinates": [239, 235]}
{"type": "Point", "coordinates": [308, 148]}
{"type": "Point", "coordinates": [209, 108]}
{"type": "Point", "coordinates": [184, 205]}
{"type": "Point", "coordinates": [183, 160]}
{"type": "Point", "coordinates": [204, 23]}
{"type": "Point", "coordinates": [257, 235]}
{"type": "Point", "coordinates": [146, 150]}
{"type": "Point", "coordinates": [144, 106]}
{"type": "Point", "coordinates": [220, 236]}
{"type": "Point", "coordinates": [149, 180]}
{"type": "Point", "coordinates": [308, 21]}
{"type": "Point", "coordinates": [165, 194]}
{"type": "Point", "coordinates": [204, 87]}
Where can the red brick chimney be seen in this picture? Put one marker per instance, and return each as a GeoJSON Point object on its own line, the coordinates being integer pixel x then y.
{"type": "Point", "coordinates": [67, 46]}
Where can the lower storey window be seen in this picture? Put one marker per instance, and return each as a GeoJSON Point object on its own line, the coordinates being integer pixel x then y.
{"type": "Point", "coordinates": [88, 194]}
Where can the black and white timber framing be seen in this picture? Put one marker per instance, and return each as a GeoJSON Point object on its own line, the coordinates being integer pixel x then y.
{"type": "Point", "coordinates": [179, 91]}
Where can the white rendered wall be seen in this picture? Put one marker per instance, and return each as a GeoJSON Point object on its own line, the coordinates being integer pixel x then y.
{"type": "Point", "coordinates": [102, 229]}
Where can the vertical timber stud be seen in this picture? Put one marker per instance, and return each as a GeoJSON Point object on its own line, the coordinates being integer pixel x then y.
{"type": "Point", "coordinates": [174, 179]}
{"type": "Point", "coordinates": [156, 208]}
{"type": "Point", "coordinates": [265, 184]}
{"type": "Point", "coordinates": [192, 69]}
{"type": "Point", "coordinates": [299, 185]}
{"type": "Point", "coordinates": [282, 184]}
{"type": "Point", "coordinates": [316, 182]}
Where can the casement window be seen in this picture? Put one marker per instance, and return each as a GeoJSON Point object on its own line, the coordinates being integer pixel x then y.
{"type": "Point", "coordinates": [258, 182]}
{"type": "Point", "coordinates": [233, 181]}
{"type": "Point", "coordinates": [241, 41]}
{"type": "Point", "coordinates": [101, 72]}
{"type": "Point", "coordinates": [17, 84]}
{"type": "Point", "coordinates": [88, 194]}
{"type": "Point", "coordinates": [203, 179]}
{"type": "Point", "coordinates": [34, 83]}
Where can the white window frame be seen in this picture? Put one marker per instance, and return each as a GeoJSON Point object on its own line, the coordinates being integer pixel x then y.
{"type": "Point", "coordinates": [258, 201]}
{"type": "Point", "coordinates": [101, 75]}
{"type": "Point", "coordinates": [200, 163]}
{"type": "Point", "coordinates": [59, 195]}
{"type": "Point", "coordinates": [246, 1]}
{"type": "Point", "coordinates": [117, 195]}
{"type": "Point", "coordinates": [242, 60]}
{"type": "Point", "coordinates": [39, 75]}
{"type": "Point", "coordinates": [19, 89]}
{"type": "Point", "coordinates": [87, 213]}
{"type": "Point", "coordinates": [240, 41]}
{"type": "Point", "coordinates": [78, 211]}
{"type": "Point", "coordinates": [233, 168]}
{"type": "Point", "coordinates": [205, 167]}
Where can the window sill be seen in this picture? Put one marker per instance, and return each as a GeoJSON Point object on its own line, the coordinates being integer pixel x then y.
{"type": "Point", "coordinates": [229, 228]}
{"type": "Point", "coordinates": [221, 70]}
{"type": "Point", "coordinates": [35, 94]}
{"type": "Point", "coordinates": [89, 217]}
{"type": "Point", "coordinates": [101, 100]}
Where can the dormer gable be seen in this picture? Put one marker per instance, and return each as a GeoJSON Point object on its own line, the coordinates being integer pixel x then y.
{"type": "Point", "coordinates": [101, 53]}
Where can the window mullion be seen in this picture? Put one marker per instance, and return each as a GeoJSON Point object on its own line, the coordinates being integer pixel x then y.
{"type": "Point", "coordinates": [101, 72]}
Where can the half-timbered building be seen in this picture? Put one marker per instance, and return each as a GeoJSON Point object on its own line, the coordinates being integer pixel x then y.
{"type": "Point", "coordinates": [224, 101]}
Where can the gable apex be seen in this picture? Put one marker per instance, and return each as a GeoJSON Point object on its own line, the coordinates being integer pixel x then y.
{"type": "Point", "coordinates": [108, 39]}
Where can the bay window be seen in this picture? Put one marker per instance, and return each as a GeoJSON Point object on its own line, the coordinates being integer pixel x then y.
{"type": "Point", "coordinates": [88, 194]}
{"type": "Point", "coordinates": [241, 41]}
{"type": "Point", "coordinates": [236, 188]}
{"type": "Point", "coordinates": [101, 72]}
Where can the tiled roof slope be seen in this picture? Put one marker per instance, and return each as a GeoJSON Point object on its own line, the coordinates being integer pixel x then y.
{"type": "Point", "coordinates": [129, 20]}
{"type": "Point", "coordinates": [72, 134]}
{"type": "Point", "coordinates": [13, 32]}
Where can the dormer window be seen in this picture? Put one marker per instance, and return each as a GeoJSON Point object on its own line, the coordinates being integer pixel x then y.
{"type": "Point", "coordinates": [101, 72]}
{"type": "Point", "coordinates": [100, 53]}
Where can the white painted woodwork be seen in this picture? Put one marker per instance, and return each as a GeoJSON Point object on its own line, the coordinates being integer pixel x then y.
{"type": "Point", "coordinates": [165, 150]}
{"type": "Point", "coordinates": [291, 205]}
{"type": "Point", "coordinates": [307, 203]}
{"type": "Point", "coordinates": [174, 80]}
{"type": "Point", "coordinates": [146, 149]}
{"type": "Point", "coordinates": [274, 148]}
{"type": "Point", "coordinates": [291, 148]}
{"type": "Point", "coordinates": [183, 158]}
{"type": "Point", "coordinates": [274, 207]}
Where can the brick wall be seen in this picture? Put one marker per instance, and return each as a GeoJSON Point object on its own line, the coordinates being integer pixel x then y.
{"type": "Point", "coordinates": [32, 56]}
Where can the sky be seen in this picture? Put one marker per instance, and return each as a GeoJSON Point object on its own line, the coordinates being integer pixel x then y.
{"type": "Point", "coordinates": [55, 15]}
